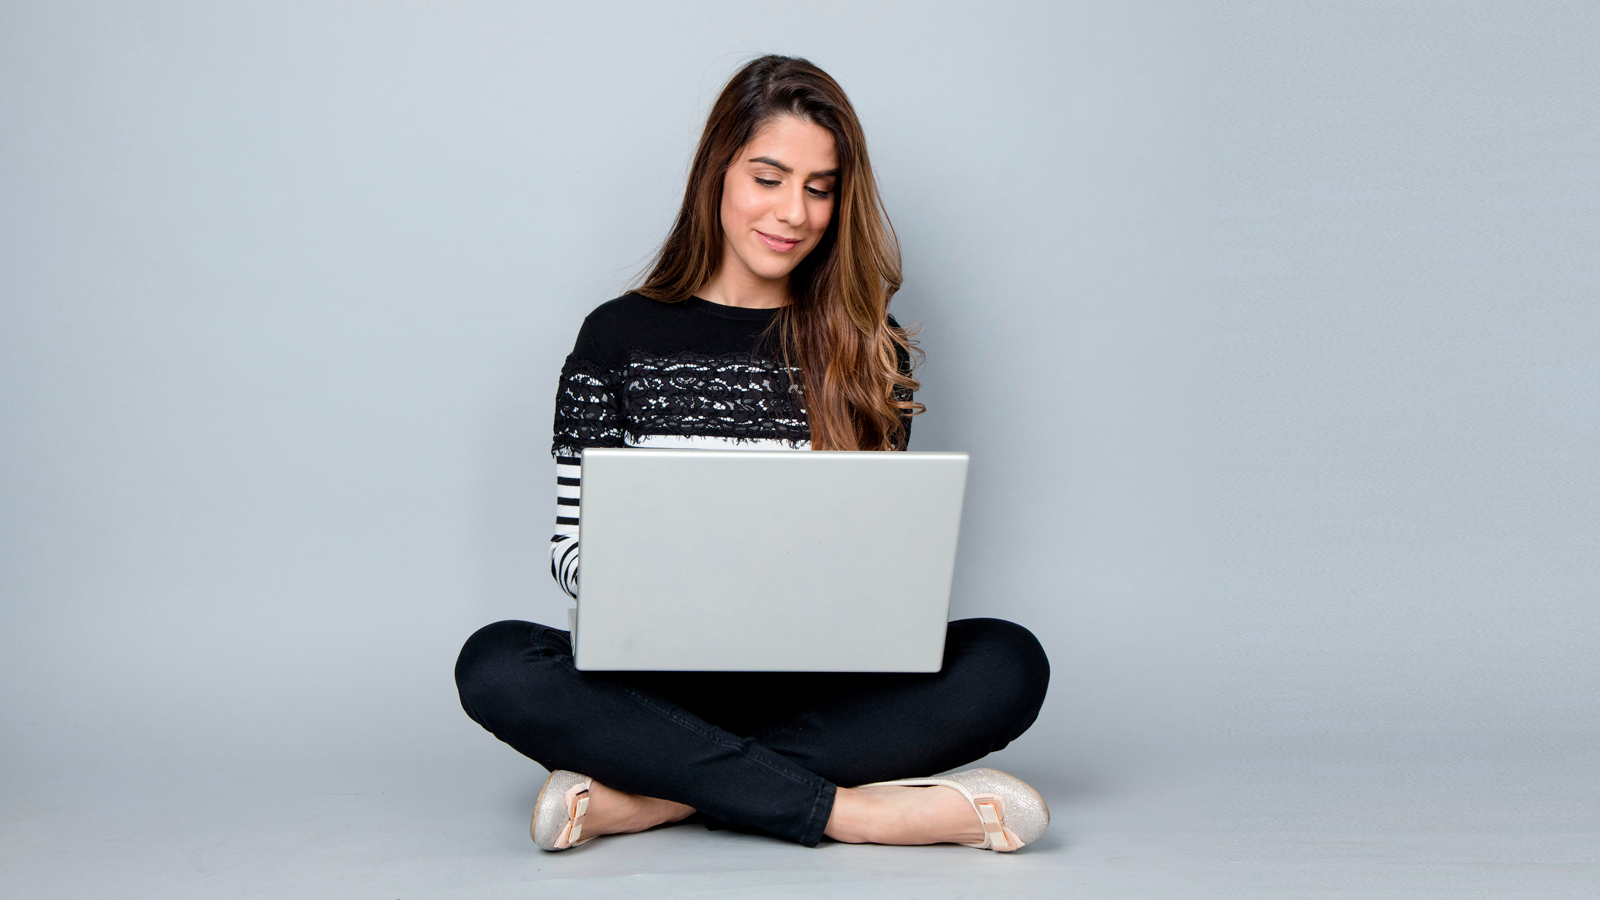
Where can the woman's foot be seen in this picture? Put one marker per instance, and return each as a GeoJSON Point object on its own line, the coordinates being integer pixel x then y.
{"type": "Point", "coordinates": [896, 814]}
{"type": "Point", "coordinates": [613, 812]}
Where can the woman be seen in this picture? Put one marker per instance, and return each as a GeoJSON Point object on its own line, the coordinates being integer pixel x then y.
{"type": "Point", "coordinates": [763, 323]}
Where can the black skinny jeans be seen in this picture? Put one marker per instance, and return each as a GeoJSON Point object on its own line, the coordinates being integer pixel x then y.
{"type": "Point", "coordinates": [758, 750]}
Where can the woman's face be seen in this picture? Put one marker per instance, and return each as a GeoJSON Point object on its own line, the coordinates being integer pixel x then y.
{"type": "Point", "coordinates": [777, 197]}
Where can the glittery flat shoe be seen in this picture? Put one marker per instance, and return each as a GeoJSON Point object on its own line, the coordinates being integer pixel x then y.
{"type": "Point", "coordinates": [1012, 813]}
{"type": "Point", "coordinates": [558, 813]}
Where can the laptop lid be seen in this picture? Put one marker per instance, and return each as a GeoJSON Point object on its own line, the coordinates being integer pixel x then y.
{"type": "Point", "coordinates": [732, 560]}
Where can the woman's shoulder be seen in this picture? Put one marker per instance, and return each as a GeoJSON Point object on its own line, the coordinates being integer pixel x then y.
{"type": "Point", "coordinates": [629, 310]}
{"type": "Point", "coordinates": [615, 325]}
{"type": "Point", "coordinates": [628, 306]}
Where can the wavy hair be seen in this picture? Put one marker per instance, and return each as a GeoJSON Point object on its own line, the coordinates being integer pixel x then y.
{"type": "Point", "coordinates": [854, 366]}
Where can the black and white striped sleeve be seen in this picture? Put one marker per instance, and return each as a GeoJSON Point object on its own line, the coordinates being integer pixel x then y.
{"type": "Point", "coordinates": [587, 415]}
{"type": "Point", "coordinates": [564, 543]}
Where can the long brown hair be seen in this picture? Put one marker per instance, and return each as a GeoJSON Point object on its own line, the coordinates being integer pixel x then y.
{"type": "Point", "coordinates": [835, 329]}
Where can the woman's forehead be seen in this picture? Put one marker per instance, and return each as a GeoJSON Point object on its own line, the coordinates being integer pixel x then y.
{"type": "Point", "coordinates": [794, 144]}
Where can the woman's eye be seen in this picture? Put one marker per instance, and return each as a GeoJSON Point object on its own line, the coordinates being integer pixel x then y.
{"type": "Point", "coordinates": [767, 183]}
{"type": "Point", "coordinates": [821, 195]}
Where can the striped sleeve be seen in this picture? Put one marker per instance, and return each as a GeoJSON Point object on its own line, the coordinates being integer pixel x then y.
{"type": "Point", "coordinates": [564, 543]}
{"type": "Point", "coordinates": [588, 414]}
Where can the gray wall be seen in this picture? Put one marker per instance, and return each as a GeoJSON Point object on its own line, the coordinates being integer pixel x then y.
{"type": "Point", "coordinates": [1404, 300]}
{"type": "Point", "coordinates": [1269, 327]}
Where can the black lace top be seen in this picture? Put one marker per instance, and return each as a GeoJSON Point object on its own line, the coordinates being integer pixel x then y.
{"type": "Point", "coordinates": [643, 368]}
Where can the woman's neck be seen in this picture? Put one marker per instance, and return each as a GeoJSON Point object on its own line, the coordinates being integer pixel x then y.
{"type": "Point", "coordinates": [738, 286]}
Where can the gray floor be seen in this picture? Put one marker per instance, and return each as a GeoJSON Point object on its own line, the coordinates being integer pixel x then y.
{"type": "Point", "coordinates": [1284, 831]}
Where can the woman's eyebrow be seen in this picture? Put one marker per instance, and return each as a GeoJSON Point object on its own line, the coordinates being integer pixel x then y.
{"type": "Point", "coordinates": [772, 162]}
{"type": "Point", "coordinates": [767, 160]}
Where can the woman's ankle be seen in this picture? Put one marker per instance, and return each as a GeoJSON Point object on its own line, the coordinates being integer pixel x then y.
{"type": "Point", "coordinates": [846, 820]}
{"type": "Point", "coordinates": [864, 816]}
{"type": "Point", "coordinates": [655, 811]}
{"type": "Point", "coordinates": [902, 816]}
{"type": "Point", "coordinates": [616, 812]}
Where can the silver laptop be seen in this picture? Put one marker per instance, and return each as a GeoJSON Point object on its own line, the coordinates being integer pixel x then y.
{"type": "Point", "coordinates": [743, 560]}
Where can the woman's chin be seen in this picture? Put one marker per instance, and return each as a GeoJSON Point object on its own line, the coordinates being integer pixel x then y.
{"type": "Point", "coordinates": [770, 265]}
{"type": "Point", "coordinates": [777, 275]}
{"type": "Point", "coordinates": [772, 270]}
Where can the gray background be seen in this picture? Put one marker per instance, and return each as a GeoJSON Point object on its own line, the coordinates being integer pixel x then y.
{"type": "Point", "coordinates": [1270, 328]}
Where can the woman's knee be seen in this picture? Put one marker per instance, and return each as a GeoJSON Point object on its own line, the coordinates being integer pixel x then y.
{"type": "Point", "coordinates": [1009, 661]}
{"type": "Point", "coordinates": [488, 664]}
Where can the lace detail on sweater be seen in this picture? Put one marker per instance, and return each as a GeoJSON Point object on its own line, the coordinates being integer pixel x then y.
{"type": "Point", "coordinates": [587, 411]}
{"type": "Point", "coordinates": [739, 396]}
{"type": "Point", "coordinates": [736, 396]}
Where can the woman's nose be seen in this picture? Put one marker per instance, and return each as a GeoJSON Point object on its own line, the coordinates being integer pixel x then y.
{"type": "Point", "coordinates": [792, 209]}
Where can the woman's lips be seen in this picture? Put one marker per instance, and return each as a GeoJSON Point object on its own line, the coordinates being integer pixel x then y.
{"type": "Point", "coordinates": [781, 245]}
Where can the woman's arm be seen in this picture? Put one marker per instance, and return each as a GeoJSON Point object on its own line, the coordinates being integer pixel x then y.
{"type": "Point", "coordinates": [588, 414]}
{"type": "Point", "coordinates": [564, 543]}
